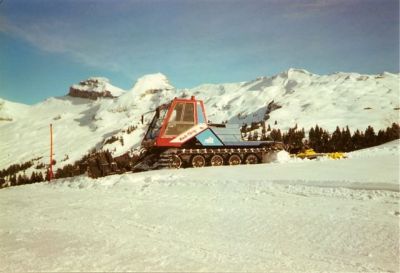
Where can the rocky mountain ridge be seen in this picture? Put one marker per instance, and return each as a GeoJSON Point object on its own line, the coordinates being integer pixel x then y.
{"type": "Point", "coordinates": [94, 88]}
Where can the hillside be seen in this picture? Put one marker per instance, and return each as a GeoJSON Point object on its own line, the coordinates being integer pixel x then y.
{"type": "Point", "coordinates": [306, 99]}
{"type": "Point", "coordinates": [291, 97]}
{"type": "Point", "coordinates": [300, 216]}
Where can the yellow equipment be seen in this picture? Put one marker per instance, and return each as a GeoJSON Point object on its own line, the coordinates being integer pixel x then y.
{"type": "Point", "coordinates": [311, 154]}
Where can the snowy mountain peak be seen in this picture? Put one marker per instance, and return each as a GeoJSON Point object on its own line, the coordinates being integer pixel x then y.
{"type": "Point", "coordinates": [295, 74]}
{"type": "Point", "coordinates": [95, 87]}
{"type": "Point", "coordinates": [297, 71]}
{"type": "Point", "coordinates": [151, 83]}
{"type": "Point", "coordinates": [148, 92]}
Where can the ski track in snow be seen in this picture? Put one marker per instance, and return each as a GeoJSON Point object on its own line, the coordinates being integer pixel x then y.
{"type": "Point", "coordinates": [299, 216]}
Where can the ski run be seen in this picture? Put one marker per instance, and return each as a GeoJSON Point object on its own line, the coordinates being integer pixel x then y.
{"type": "Point", "coordinates": [288, 216]}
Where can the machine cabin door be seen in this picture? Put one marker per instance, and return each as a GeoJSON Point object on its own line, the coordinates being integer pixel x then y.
{"type": "Point", "coordinates": [156, 123]}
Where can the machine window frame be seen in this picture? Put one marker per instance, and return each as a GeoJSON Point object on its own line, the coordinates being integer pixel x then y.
{"type": "Point", "coordinates": [184, 124]}
{"type": "Point", "coordinates": [156, 124]}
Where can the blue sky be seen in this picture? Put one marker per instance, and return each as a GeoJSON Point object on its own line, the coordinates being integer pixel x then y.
{"type": "Point", "coordinates": [47, 45]}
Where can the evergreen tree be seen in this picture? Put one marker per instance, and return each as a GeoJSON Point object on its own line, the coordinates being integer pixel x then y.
{"type": "Point", "coordinates": [311, 137]}
{"type": "Point", "coordinates": [346, 142]}
{"type": "Point", "coordinates": [370, 137]}
{"type": "Point", "coordinates": [108, 156]}
{"type": "Point", "coordinates": [393, 132]}
{"type": "Point", "coordinates": [33, 178]}
{"type": "Point", "coordinates": [13, 180]}
{"type": "Point", "coordinates": [336, 140]}
{"type": "Point", "coordinates": [48, 175]}
{"type": "Point", "coordinates": [325, 138]}
{"type": "Point", "coordinates": [315, 138]}
{"type": "Point", "coordinates": [276, 135]}
{"type": "Point", "coordinates": [40, 177]}
{"type": "Point", "coordinates": [263, 132]}
{"type": "Point", "coordinates": [381, 137]}
{"type": "Point", "coordinates": [294, 138]}
{"type": "Point", "coordinates": [22, 179]}
{"type": "Point", "coordinates": [263, 137]}
{"type": "Point", "coordinates": [358, 140]}
{"type": "Point", "coordinates": [19, 180]}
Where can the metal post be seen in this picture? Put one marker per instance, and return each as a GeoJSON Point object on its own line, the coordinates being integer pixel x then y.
{"type": "Point", "coordinates": [51, 153]}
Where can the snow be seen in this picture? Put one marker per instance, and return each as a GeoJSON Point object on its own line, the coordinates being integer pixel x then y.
{"type": "Point", "coordinates": [156, 81]}
{"type": "Point", "coordinates": [81, 125]}
{"type": "Point", "coordinates": [148, 92]}
{"type": "Point", "coordinates": [73, 122]}
{"type": "Point", "coordinates": [280, 157]}
{"type": "Point", "coordinates": [298, 216]}
{"type": "Point", "coordinates": [339, 99]}
{"type": "Point", "coordinates": [10, 111]}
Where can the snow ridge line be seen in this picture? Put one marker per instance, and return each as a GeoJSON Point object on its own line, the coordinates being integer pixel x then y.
{"type": "Point", "coordinates": [342, 184]}
{"type": "Point", "coordinates": [156, 185]}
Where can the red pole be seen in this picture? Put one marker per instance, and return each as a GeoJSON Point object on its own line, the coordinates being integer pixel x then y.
{"type": "Point", "coordinates": [51, 152]}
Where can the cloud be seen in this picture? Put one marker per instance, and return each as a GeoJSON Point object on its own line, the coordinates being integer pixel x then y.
{"type": "Point", "coordinates": [303, 9]}
{"type": "Point", "coordinates": [62, 37]}
{"type": "Point", "coordinates": [321, 4]}
{"type": "Point", "coordinates": [137, 35]}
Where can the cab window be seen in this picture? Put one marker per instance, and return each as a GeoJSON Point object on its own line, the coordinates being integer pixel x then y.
{"type": "Point", "coordinates": [182, 119]}
{"type": "Point", "coordinates": [188, 115]}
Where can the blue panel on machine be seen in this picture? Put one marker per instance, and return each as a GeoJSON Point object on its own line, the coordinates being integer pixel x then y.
{"type": "Point", "coordinates": [207, 138]}
{"type": "Point", "coordinates": [230, 133]}
{"type": "Point", "coordinates": [200, 114]}
{"type": "Point", "coordinates": [230, 136]}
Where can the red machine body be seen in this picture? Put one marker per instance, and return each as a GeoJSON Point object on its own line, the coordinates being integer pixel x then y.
{"type": "Point", "coordinates": [175, 123]}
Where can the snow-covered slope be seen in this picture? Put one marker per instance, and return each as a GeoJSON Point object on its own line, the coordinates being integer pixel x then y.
{"type": "Point", "coordinates": [307, 99]}
{"type": "Point", "coordinates": [79, 124]}
{"type": "Point", "coordinates": [11, 111]}
{"type": "Point", "coordinates": [294, 96]}
{"type": "Point", "coordinates": [301, 216]}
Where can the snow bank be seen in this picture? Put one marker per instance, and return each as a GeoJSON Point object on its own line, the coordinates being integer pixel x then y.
{"type": "Point", "coordinates": [293, 217]}
{"type": "Point", "coordinates": [279, 157]}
